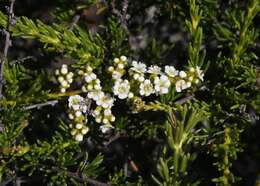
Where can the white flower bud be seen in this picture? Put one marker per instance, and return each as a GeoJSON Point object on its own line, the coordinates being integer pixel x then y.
{"type": "Point", "coordinates": [64, 70]}
{"type": "Point", "coordinates": [182, 74]}
{"type": "Point", "coordinates": [90, 87]}
{"type": "Point", "coordinates": [57, 72]}
{"type": "Point", "coordinates": [79, 137]}
{"type": "Point", "coordinates": [105, 121]}
{"type": "Point", "coordinates": [73, 132]}
{"type": "Point", "coordinates": [84, 130]}
{"type": "Point", "coordinates": [71, 116]}
{"type": "Point", "coordinates": [110, 69]}
{"type": "Point", "coordinates": [112, 118]}
{"type": "Point", "coordinates": [64, 83]}
{"type": "Point", "coordinates": [60, 79]}
{"type": "Point", "coordinates": [121, 66]}
{"type": "Point", "coordinates": [123, 58]}
{"type": "Point", "coordinates": [63, 90]}
{"type": "Point", "coordinates": [116, 60]}
{"type": "Point", "coordinates": [78, 113]}
{"type": "Point", "coordinates": [79, 126]}
{"type": "Point", "coordinates": [130, 95]}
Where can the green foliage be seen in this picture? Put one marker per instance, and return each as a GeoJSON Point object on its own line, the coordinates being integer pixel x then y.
{"type": "Point", "coordinates": [205, 135]}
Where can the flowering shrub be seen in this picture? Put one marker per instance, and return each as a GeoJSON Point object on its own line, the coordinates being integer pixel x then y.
{"type": "Point", "coordinates": [141, 82]}
{"type": "Point", "coordinates": [129, 92]}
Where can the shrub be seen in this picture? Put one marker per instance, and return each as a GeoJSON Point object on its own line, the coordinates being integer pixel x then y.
{"type": "Point", "coordinates": [130, 93]}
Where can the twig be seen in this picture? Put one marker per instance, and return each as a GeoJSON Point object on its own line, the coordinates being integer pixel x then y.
{"type": "Point", "coordinates": [122, 16]}
{"type": "Point", "coordinates": [40, 105]}
{"type": "Point", "coordinates": [114, 138]}
{"type": "Point", "coordinates": [8, 43]}
{"type": "Point", "coordinates": [80, 177]}
{"type": "Point", "coordinates": [74, 22]}
{"type": "Point", "coordinates": [21, 60]}
{"type": "Point", "coordinates": [185, 99]}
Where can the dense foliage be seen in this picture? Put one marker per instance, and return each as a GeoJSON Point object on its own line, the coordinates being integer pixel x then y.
{"type": "Point", "coordinates": [157, 92]}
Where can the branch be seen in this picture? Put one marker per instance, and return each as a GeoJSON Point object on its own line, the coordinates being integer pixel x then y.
{"type": "Point", "coordinates": [40, 105]}
{"type": "Point", "coordinates": [81, 177]}
{"type": "Point", "coordinates": [185, 99]}
{"type": "Point", "coordinates": [122, 16]}
{"type": "Point", "coordinates": [8, 43]}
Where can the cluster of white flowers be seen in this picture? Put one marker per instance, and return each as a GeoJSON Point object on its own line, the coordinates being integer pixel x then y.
{"type": "Point", "coordinates": [104, 102]}
{"type": "Point", "coordinates": [150, 80]}
{"type": "Point", "coordinates": [78, 106]}
{"type": "Point", "coordinates": [118, 70]}
{"type": "Point", "coordinates": [141, 80]}
{"type": "Point", "coordinates": [65, 77]}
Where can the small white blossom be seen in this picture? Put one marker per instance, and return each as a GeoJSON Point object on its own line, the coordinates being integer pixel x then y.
{"type": "Point", "coordinates": [123, 58]}
{"type": "Point", "coordinates": [121, 88]}
{"type": "Point", "coordinates": [162, 84]}
{"type": "Point", "coordinates": [79, 125]}
{"type": "Point", "coordinates": [95, 95]}
{"type": "Point", "coordinates": [154, 69]}
{"type": "Point", "coordinates": [75, 102]}
{"type": "Point", "coordinates": [78, 113]}
{"type": "Point", "coordinates": [64, 69]}
{"type": "Point", "coordinates": [138, 67]}
{"type": "Point", "coordinates": [79, 137]}
{"type": "Point", "coordinates": [84, 130]}
{"type": "Point", "coordinates": [146, 88]}
{"type": "Point", "coordinates": [170, 71]}
{"type": "Point", "coordinates": [63, 90]}
{"type": "Point", "coordinates": [182, 85]}
{"type": "Point", "coordinates": [182, 74]}
{"type": "Point", "coordinates": [105, 102]}
{"type": "Point", "coordinates": [90, 77]}
{"type": "Point", "coordinates": [116, 75]}
{"type": "Point", "coordinates": [116, 60]}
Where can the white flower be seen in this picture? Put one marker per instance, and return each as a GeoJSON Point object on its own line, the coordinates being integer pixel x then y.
{"type": "Point", "coordinates": [78, 104]}
{"type": "Point", "coordinates": [154, 69]}
{"type": "Point", "coordinates": [121, 88]}
{"type": "Point", "coordinates": [105, 102]}
{"type": "Point", "coordinates": [75, 102]}
{"type": "Point", "coordinates": [162, 84]}
{"type": "Point", "coordinates": [116, 60]}
{"type": "Point", "coordinates": [64, 83]}
{"type": "Point", "coordinates": [64, 69]}
{"type": "Point", "coordinates": [192, 69]}
{"type": "Point", "coordinates": [116, 75]}
{"type": "Point", "coordinates": [171, 71]}
{"type": "Point", "coordinates": [182, 74]}
{"type": "Point", "coordinates": [63, 90]}
{"type": "Point", "coordinates": [182, 85]}
{"type": "Point", "coordinates": [90, 77]}
{"type": "Point", "coordinates": [79, 137]}
{"type": "Point", "coordinates": [105, 128]}
{"type": "Point", "coordinates": [84, 130]}
{"type": "Point", "coordinates": [60, 79]}
{"type": "Point", "coordinates": [121, 66]}
{"type": "Point", "coordinates": [78, 113]}
{"type": "Point", "coordinates": [200, 73]}
{"type": "Point", "coordinates": [79, 126]}
{"type": "Point", "coordinates": [96, 95]}
{"type": "Point", "coordinates": [146, 88]}
{"type": "Point", "coordinates": [138, 67]}
{"type": "Point", "coordinates": [123, 58]}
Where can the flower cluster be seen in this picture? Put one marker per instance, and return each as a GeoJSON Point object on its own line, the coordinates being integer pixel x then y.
{"type": "Point", "coordinates": [150, 80]}
{"type": "Point", "coordinates": [78, 107]}
{"type": "Point", "coordinates": [65, 77]}
{"type": "Point", "coordinates": [104, 102]}
{"type": "Point", "coordinates": [130, 79]}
